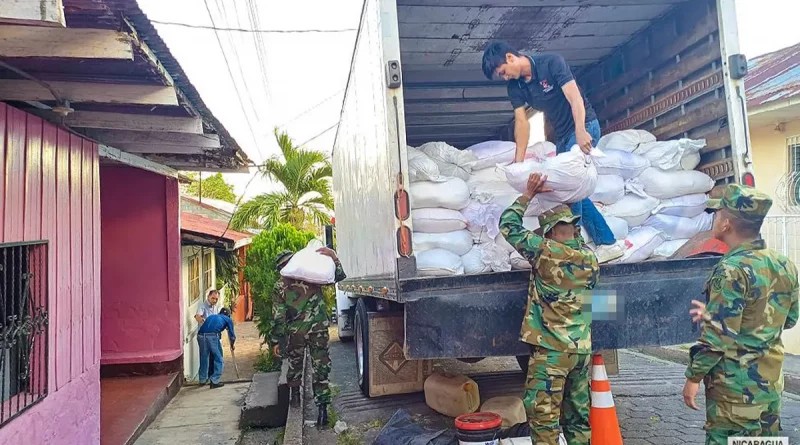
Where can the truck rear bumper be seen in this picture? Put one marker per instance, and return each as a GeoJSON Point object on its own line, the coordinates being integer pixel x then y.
{"type": "Point", "coordinates": [652, 309]}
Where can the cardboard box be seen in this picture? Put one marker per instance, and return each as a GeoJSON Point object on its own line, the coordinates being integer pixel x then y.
{"type": "Point", "coordinates": [611, 359]}
{"type": "Point", "coordinates": [389, 370]}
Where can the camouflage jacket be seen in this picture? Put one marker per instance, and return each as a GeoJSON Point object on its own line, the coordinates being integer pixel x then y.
{"type": "Point", "coordinates": [751, 297]}
{"type": "Point", "coordinates": [562, 275]}
{"type": "Point", "coordinates": [299, 306]}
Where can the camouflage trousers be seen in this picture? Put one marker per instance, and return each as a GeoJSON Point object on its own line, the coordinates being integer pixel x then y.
{"type": "Point", "coordinates": [557, 391]}
{"type": "Point", "coordinates": [724, 419]}
{"type": "Point", "coordinates": [317, 343]}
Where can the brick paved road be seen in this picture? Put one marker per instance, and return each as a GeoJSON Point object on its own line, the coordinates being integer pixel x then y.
{"type": "Point", "coordinates": [647, 393]}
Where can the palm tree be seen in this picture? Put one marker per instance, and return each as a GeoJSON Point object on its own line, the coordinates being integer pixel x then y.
{"type": "Point", "coordinates": [306, 195]}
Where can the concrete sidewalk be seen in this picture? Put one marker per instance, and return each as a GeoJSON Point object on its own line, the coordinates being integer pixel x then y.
{"type": "Point", "coordinates": [199, 415]}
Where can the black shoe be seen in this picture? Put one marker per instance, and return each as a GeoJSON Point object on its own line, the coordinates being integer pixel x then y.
{"type": "Point", "coordinates": [322, 419]}
{"type": "Point", "coordinates": [217, 385]}
{"type": "Point", "coordinates": [294, 397]}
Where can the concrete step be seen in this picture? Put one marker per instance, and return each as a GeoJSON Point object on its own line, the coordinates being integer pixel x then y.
{"type": "Point", "coordinates": [267, 402]}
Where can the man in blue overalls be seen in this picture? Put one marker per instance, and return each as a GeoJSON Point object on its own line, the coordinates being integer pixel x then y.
{"type": "Point", "coordinates": [545, 83]}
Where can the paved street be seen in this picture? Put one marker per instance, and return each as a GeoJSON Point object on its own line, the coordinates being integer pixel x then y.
{"type": "Point", "coordinates": [647, 393]}
{"type": "Point", "coordinates": [248, 345]}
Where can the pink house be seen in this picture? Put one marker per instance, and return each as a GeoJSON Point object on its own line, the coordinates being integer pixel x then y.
{"type": "Point", "coordinates": [91, 314]}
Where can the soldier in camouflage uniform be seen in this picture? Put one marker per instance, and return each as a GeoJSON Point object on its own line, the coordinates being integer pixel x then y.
{"type": "Point", "coordinates": [301, 314]}
{"type": "Point", "coordinates": [751, 297]}
{"type": "Point", "coordinates": [555, 326]}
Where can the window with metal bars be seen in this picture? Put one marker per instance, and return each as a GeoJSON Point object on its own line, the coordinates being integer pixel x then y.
{"type": "Point", "coordinates": [23, 327]}
{"type": "Point", "coordinates": [208, 271]}
{"type": "Point", "coordinates": [793, 192]}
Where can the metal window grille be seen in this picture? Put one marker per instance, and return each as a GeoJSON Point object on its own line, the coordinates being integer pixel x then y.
{"type": "Point", "coordinates": [23, 327]}
{"type": "Point", "coordinates": [793, 191]}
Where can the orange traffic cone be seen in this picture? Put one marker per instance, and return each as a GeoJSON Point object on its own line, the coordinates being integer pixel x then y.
{"type": "Point", "coordinates": [603, 414]}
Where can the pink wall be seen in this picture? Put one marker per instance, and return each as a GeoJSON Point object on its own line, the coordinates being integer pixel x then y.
{"type": "Point", "coordinates": [51, 192]}
{"type": "Point", "coordinates": [141, 313]}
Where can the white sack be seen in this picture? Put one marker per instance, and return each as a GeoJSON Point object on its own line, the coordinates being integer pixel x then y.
{"type": "Point", "coordinates": [505, 245]}
{"type": "Point", "coordinates": [310, 266]}
{"type": "Point", "coordinates": [473, 261]}
{"type": "Point", "coordinates": [452, 194]}
{"type": "Point", "coordinates": [436, 220]}
{"type": "Point", "coordinates": [609, 189]}
{"type": "Point", "coordinates": [452, 170]}
{"type": "Point", "coordinates": [633, 209]}
{"type": "Point", "coordinates": [669, 248]}
{"type": "Point", "coordinates": [678, 227]}
{"type": "Point", "coordinates": [438, 262]}
{"type": "Point", "coordinates": [689, 161]}
{"type": "Point", "coordinates": [491, 153]}
{"type": "Point", "coordinates": [538, 205]}
{"type": "Point", "coordinates": [667, 155]}
{"type": "Point", "coordinates": [540, 151]}
{"type": "Point", "coordinates": [487, 191]}
{"type": "Point", "coordinates": [490, 174]}
{"type": "Point", "coordinates": [640, 245]}
{"type": "Point", "coordinates": [626, 140]}
{"type": "Point", "coordinates": [442, 152]}
{"type": "Point", "coordinates": [618, 226]}
{"type": "Point", "coordinates": [621, 163]}
{"type": "Point", "coordinates": [422, 168]}
{"type": "Point", "coordinates": [458, 242]}
{"type": "Point", "coordinates": [518, 262]}
{"type": "Point", "coordinates": [687, 206]}
{"type": "Point", "coordinates": [571, 175]}
{"type": "Point", "coordinates": [665, 185]}
{"type": "Point", "coordinates": [480, 235]}
{"type": "Point", "coordinates": [482, 218]}
{"type": "Point", "coordinates": [495, 257]}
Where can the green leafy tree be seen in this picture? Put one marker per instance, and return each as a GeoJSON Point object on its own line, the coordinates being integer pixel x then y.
{"type": "Point", "coordinates": [304, 176]}
{"type": "Point", "coordinates": [227, 268]}
{"type": "Point", "coordinates": [260, 269]}
{"type": "Point", "coordinates": [213, 187]}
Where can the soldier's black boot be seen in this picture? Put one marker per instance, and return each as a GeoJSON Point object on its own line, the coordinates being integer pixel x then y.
{"type": "Point", "coordinates": [322, 419]}
{"type": "Point", "coordinates": [294, 397]}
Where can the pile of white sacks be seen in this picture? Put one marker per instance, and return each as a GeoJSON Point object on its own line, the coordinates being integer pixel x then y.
{"type": "Point", "coordinates": [648, 192]}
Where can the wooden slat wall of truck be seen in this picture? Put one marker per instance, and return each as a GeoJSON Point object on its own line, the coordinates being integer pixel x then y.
{"type": "Point", "coordinates": [668, 80]}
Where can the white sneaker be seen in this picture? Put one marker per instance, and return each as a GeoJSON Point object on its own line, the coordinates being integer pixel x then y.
{"type": "Point", "coordinates": [608, 253]}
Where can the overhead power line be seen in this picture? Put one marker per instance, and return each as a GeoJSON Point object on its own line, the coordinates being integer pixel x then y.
{"type": "Point", "coordinates": [320, 133]}
{"type": "Point", "coordinates": [258, 31]}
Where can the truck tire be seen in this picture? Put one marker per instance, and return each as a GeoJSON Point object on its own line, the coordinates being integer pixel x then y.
{"type": "Point", "coordinates": [522, 360]}
{"type": "Point", "coordinates": [361, 328]}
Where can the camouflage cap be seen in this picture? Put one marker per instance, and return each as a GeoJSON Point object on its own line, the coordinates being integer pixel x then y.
{"type": "Point", "coordinates": [743, 202]}
{"type": "Point", "coordinates": [550, 218]}
{"type": "Point", "coordinates": [283, 258]}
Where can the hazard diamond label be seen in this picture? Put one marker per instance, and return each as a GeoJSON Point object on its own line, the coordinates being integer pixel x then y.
{"type": "Point", "coordinates": [393, 357]}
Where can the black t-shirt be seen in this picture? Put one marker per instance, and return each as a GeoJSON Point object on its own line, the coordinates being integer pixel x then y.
{"type": "Point", "coordinates": [544, 93]}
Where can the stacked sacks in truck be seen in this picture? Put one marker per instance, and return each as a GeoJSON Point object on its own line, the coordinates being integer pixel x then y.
{"type": "Point", "coordinates": [439, 191]}
{"type": "Point", "coordinates": [649, 193]}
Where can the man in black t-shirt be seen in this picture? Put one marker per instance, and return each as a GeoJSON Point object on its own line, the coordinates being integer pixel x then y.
{"type": "Point", "coordinates": [545, 83]}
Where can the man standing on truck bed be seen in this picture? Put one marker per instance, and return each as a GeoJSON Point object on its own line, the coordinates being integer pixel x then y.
{"type": "Point", "coordinates": [300, 313]}
{"type": "Point", "coordinates": [545, 82]}
{"type": "Point", "coordinates": [751, 297]}
{"type": "Point", "coordinates": [556, 326]}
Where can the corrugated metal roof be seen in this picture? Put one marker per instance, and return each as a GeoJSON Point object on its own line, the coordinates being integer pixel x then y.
{"type": "Point", "coordinates": [191, 222]}
{"type": "Point", "coordinates": [773, 77]}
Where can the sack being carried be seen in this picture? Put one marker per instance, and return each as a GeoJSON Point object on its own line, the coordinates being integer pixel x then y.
{"type": "Point", "coordinates": [571, 175]}
{"type": "Point", "coordinates": [309, 266]}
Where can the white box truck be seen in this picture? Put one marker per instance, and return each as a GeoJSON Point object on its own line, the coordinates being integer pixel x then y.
{"type": "Point", "coordinates": [671, 67]}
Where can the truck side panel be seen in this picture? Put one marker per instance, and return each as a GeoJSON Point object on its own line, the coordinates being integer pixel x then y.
{"type": "Point", "coordinates": [634, 305]}
{"type": "Point", "coordinates": [366, 157]}
{"type": "Point", "coordinates": [672, 80]}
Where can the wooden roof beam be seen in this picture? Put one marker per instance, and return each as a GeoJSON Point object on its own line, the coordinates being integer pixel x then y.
{"type": "Point", "coordinates": [78, 92]}
{"type": "Point", "coordinates": [119, 138]}
{"type": "Point", "coordinates": [138, 122]}
{"type": "Point", "coordinates": [75, 43]}
{"type": "Point", "coordinates": [33, 12]}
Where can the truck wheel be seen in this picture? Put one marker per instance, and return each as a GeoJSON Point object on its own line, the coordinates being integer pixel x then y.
{"type": "Point", "coordinates": [361, 327]}
{"type": "Point", "coordinates": [522, 360]}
